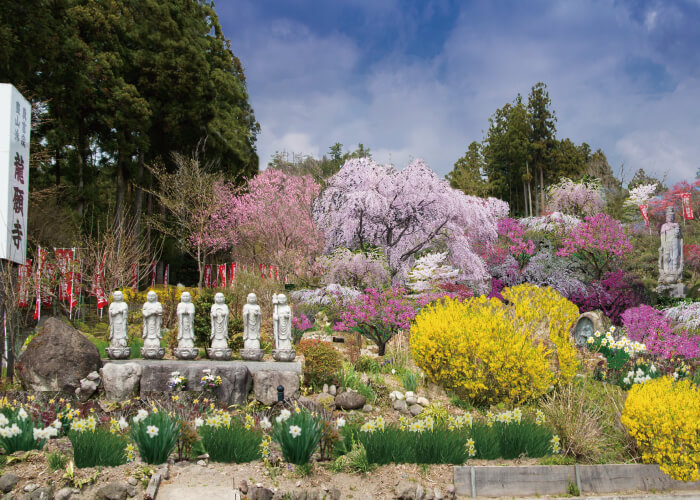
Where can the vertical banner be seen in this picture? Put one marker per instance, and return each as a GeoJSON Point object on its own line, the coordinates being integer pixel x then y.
{"type": "Point", "coordinates": [166, 276]}
{"type": "Point", "coordinates": [98, 284]}
{"type": "Point", "coordinates": [221, 275]}
{"type": "Point", "coordinates": [232, 275]}
{"type": "Point", "coordinates": [15, 128]}
{"type": "Point", "coordinates": [245, 268]}
{"type": "Point", "coordinates": [75, 282]}
{"type": "Point", "coordinates": [153, 274]}
{"type": "Point", "coordinates": [645, 214]}
{"type": "Point", "coordinates": [207, 275]}
{"type": "Point", "coordinates": [687, 206]}
{"type": "Point", "coordinates": [135, 277]}
{"type": "Point", "coordinates": [277, 273]}
{"type": "Point", "coordinates": [286, 279]}
{"type": "Point", "coordinates": [23, 274]}
{"type": "Point", "coordinates": [269, 271]}
{"type": "Point", "coordinates": [64, 260]}
{"type": "Point", "coordinates": [262, 270]}
{"type": "Point", "coordinates": [47, 277]}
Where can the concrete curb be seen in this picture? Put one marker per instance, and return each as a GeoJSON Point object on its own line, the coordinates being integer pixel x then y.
{"type": "Point", "coordinates": [532, 480]}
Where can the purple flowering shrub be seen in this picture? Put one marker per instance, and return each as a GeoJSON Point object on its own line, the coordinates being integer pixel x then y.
{"type": "Point", "coordinates": [513, 234]}
{"type": "Point", "coordinates": [378, 315]}
{"type": "Point", "coordinates": [613, 295]}
{"type": "Point", "coordinates": [654, 329]}
{"type": "Point", "coordinates": [355, 269]}
{"type": "Point", "coordinates": [300, 324]}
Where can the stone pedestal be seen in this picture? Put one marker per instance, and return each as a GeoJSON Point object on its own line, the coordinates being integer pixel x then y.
{"type": "Point", "coordinates": [219, 353]}
{"type": "Point", "coordinates": [676, 291]}
{"type": "Point", "coordinates": [185, 352]}
{"type": "Point", "coordinates": [118, 352]}
{"type": "Point", "coordinates": [152, 352]}
{"type": "Point", "coordinates": [252, 354]}
{"type": "Point", "coordinates": [284, 354]}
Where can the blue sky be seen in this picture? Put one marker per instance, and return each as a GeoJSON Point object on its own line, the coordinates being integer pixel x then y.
{"type": "Point", "coordinates": [412, 79]}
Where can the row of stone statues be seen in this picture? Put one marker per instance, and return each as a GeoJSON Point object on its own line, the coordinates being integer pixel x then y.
{"type": "Point", "coordinates": [152, 313]}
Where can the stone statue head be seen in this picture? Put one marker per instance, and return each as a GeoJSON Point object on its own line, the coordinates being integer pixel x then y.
{"type": "Point", "coordinates": [219, 298]}
{"type": "Point", "coordinates": [152, 296]}
{"type": "Point", "coordinates": [670, 214]}
{"type": "Point", "coordinates": [282, 298]}
{"type": "Point", "coordinates": [252, 298]}
{"type": "Point", "coordinates": [117, 296]}
{"type": "Point", "coordinates": [186, 297]}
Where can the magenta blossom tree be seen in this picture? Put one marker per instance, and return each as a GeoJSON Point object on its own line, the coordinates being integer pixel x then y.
{"type": "Point", "coordinates": [599, 241]}
{"type": "Point", "coordinates": [404, 212]}
{"type": "Point", "coordinates": [378, 315]}
{"type": "Point", "coordinates": [269, 221]}
{"type": "Point", "coordinates": [651, 327]}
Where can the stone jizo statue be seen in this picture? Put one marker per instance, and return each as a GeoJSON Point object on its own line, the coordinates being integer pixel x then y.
{"type": "Point", "coordinates": [185, 328]}
{"type": "Point", "coordinates": [251, 330]}
{"type": "Point", "coordinates": [152, 313]}
{"type": "Point", "coordinates": [118, 327]}
{"type": "Point", "coordinates": [282, 319]}
{"type": "Point", "coordinates": [219, 329]}
{"type": "Point", "coordinates": [671, 250]}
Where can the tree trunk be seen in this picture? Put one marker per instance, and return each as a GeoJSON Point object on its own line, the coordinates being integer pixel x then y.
{"type": "Point", "coordinates": [542, 187]}
{"type": "Point", "coordinates": [382, 348]}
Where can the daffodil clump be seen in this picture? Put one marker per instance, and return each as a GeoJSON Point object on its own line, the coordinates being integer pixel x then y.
{"type": "Point", "coordinates": [490, 352]}
{"type": "Point", "coordinates": [512, 433]}
{"type": "Point", "coordinates": [155, 434]}
{"type": "Point", "coordinates": [17, 431]}
{"type": "Point", "coordinates": [663, 416]}
{"type": "Point", "coordinates": [227, 439]}
{"type": "Point", "coordinates": [298, 433]}
{"type": "Point", "coordinates": [95, 445]}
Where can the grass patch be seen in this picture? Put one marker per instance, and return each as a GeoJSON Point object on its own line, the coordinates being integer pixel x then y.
{"type": "Point", "coordinates": [97, 448]}
{"type": "Point", "coordinates": [234, 443]}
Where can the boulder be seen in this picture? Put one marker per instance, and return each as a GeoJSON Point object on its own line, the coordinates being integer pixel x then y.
{"type": "Point", "coordinates": [65, 493]}
{"type": "Point", "coordinates": [265, 384]}
{"type": "Point", "coordinates": [88, 386]}
{"type": "Point", "coordinates": [112, 491]}
{"type": "Point", "coordinates": [350, 400]}
{"type": "Point", "coordinates": [8, 482]}
{"type": "Point", "coordinates": [415, 410]}
{"type": "Point", "coordinates": [399, 405]}
{"type": "Point", "coordinates": [45, 493]}
{"type": "Point", "coordinates": [57, 359]}
{"type": "Point", "coordinates": [422, 401]}
{"type": "Point", "coordinates": [120, 379]}
{"type": "Point", "coordinates": [326, 401]}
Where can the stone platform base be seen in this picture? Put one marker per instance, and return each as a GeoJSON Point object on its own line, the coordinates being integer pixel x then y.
{"type": "Point", "coordinates": [118, 352]}
{"type": "Point", "coordinates": [676, 291]}
{"type": "Point", "coordinates": [284, 354]}
{"type": "Point", "coordinates": [252, 354]}
{"type": "Point", "coordinates": [237, 377]}
{"type": "Point", "coordinates": [152, 352]}
{"type": "Point", "coordinates": [219, 354]}
{"type": "Point", "coordinates": [185, 352]}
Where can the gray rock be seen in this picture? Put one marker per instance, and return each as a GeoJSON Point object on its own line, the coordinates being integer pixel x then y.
{"type": "Point", "coordinates": [350, 400]}
{"type": "Point", "coordinates": [120, 379]}
{"type": "Point", "coordinates": [202, 463]}
{"type": "Point", "coordinates": [415, 410]}
{"type": "Point", "coordinates": [235, 379]}
{"type": "Point", "coordinates": [422, 401]}
{"type": "Point", "coordinates": [45, 493]}
{"type": "Point", "coordinates": [243, 486]}
{"type": "Point", "coordinates": [437, 494]}
{"type": "Point", "coordinates": [420, 492]}
{"type": "Point", "coordinates": [131, 491]}
{"type": "Point", "coordinates": [265, 385]}
{"type": "Point", "coordinates": [132, 481]}
{"type": "Point", "coordinates": [332, 390]}
{"type": "Point", "coordinates": [94, 376]}
{"type": "Point", "coordinates": [406, 490]}
{"type": "Point", "coordinates": [411, 400]}
{"type": "Point", "coordinates": [65, 494]}
{"type": "Point", "coordinates": [367, 408]}
{"type": "Point", "coordinates": [8, 482]}
{"type": "Point", "coordinates": [334, 494]}
{"type": "Point", "coordinates": [325, 387]}
{"type": "Point", "coordinates": [56, 359]}
{"type": "Point", "coordinates": [87, 387]}
{"type": "Point", "coordinates": [326, 401]}
{"type": "Point", "coordinates": [30, 487]}
{"type": "Point", "coordinates": [450, 491]}
{"type": "Point", "coordinates": [260, 493]}
{"type": "Point", "coordinates": [112, 491]}
{"type": "Point", "coordinates": [399, 405]}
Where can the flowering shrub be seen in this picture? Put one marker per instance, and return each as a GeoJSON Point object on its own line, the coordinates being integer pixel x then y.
{"type": "Point", "coordinates": [653, 328]}
{"type": "Point", "coordinates": [321, 361]}
{"type": "Point", "coordinates": [17, 431]}
{"type": "Point", "coordinates": [227, 439]}
{"type": "Point", "coordinates": [613, 295]}
{"type": "Point", "coordinates": [663, 416]}
{"type": "Point", "coordinates": [155, 435]}
{"type": "Point", "coordinates": [298, 433]}
{"type": "Point", "coordinates": [430, 271]}
{"type": "Point", "coordinates": [575, 198]}
{"type": "Point", "coordinates": [598, 241]}
{"type": "Point", "coordinates": [300, 324]}
{"type": "Point", "coordinates": [514, 234]}
{"type": "Point", "coordinates": [95, 446]}
{"type": "Point", "coordinates": [640, 195]}
{"type": "Point", "coordinates": [355, 269]}
{"type": "Point", "coordinates": [378, 315]}
{"type": "Point", "coordinates": [544, 314]}
{"type": "Point", "coordinates": [687, 315]}
{"type": "Point", "coordinates": [331, 300]}
{"type": "Point", "coordinates": [474, 349]}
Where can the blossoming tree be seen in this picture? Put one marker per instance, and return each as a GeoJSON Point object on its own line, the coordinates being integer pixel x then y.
{"type": "Point", "coordinates": [404, 212]}
{"type": "Point", "coordinates": [576, 198]}
{"type": "Point", "coordinates": [269, 221]}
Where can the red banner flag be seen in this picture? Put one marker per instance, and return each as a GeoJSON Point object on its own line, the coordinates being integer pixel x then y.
{"type": "Point", "coordinates": [98, 284]}
{"type": "Point", "coordinates": [262, 270]}
{"type": "Point", "coordinates": [269, 271]}
{"type": "Point", "coordinates": [687, 206]}
{"type": "Point", "coordinates": [64, 259]}
{"type": "Point", "coordinates": [645, 214]}
{"type": "Point", "coordinates": [153, 274]}
{"type": "Point", "coordinates": [135, 277]}
{"type": "Point", "coordinates": [221, 268]}
{"type": "Point", "coordinates": [75, 283]}
{"type": "Point", "coordinates": [166, 275]}
{"type": "Point", "coordinates": [207, 275]}
{"type": "Point", "coordinates": [277, 273]}
{"type": "Point", "coordinates": [23, 274]}
{"type": "Point", "coordinates": [232, 275]}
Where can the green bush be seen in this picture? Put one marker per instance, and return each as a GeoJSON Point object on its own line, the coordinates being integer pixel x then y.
{"type": "Point", "coordinates": [409, 380]}
{"type": "Point", "coordinates": [512, 439]}
{"type": "Point", "coordinates": [232, 443]}
{"type": "Point", "coordinates": [17, 431]}
{"type": "Point", "coordinates": [56, 460]}
{"type": "Point", "coordinates": [155, 436]}
{"type": "Point", "coordinates": [321, 362]}
{"type": "Point", "coordinates": [99, 447]}
{"type": "Point", "coordinates": [298, 433]}
{"type": "Point", "coordinates": [367, 364]}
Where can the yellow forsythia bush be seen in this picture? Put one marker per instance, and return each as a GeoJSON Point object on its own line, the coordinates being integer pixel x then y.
{"type": "Point", "coordinates": [474, 349]}
{"type": "Point", "coordinates": [663, 416]}
{"type": "Point", "coordinates": [550, 316]}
